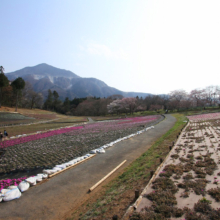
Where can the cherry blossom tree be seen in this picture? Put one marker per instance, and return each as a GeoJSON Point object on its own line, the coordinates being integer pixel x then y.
{"type": "Point", "coordinates": [114, 107]}
{"type": "Point", "coordinates": [140, 108]}
{"type": "Point", "coordinates": [123, 105]}
{"type": "Point", "coordinates": [129, 104]}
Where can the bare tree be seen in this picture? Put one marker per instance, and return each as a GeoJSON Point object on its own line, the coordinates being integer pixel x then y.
{"type": "Point", "coordinates": [117, 96]}
{"type": "Point", "coordinates": [30, 98]}
{"type": "Point", "coordinates": [156, 107]}
{"type": "Point", "coordinates": [197, 97]}
{"type": "Point", "coordinates": [176, 97]}
{"type": "Point", "coordinates": [218, 95]}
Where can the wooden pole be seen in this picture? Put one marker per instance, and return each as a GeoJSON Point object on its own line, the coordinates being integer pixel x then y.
{"type": "Point", "coordinates": [104, 178]}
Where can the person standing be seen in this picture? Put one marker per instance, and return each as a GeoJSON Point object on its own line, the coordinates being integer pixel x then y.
{"type": "Point", "coordinates": [1, 136]}
{"type": "Point", "coordinates": [5, 134]}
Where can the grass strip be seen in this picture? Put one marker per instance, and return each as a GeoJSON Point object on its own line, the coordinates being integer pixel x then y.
{"type": "Point", "coordinates": [118, 195]}
{"type": "Point", "coordinates": [32, 128]}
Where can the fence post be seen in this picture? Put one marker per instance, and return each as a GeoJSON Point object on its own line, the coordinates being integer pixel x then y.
{"type": "Point", "coordinates": [115, 217]}
{"type": "Point", "coordinates": [136, 192]}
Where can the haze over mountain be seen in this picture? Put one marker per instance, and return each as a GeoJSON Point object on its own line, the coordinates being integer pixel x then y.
{"type": "Point", "coordinates": [66, 83]}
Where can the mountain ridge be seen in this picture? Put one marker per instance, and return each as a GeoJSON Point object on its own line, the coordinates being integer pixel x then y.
{"type": "Point", "coordinates": [44, 77]}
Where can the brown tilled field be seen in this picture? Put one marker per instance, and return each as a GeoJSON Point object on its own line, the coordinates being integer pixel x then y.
{"type": "Point", "coordinates": [187, 185]}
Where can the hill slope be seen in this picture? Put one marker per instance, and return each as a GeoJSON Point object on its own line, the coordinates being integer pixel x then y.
{"type": "Point", "coordinates": [66, 83]}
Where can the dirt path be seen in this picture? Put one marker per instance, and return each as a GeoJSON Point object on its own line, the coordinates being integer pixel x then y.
{"type": "Point", "coordinates": [64, 192]}
{"type": "Point", "coordinates": [90, 120]}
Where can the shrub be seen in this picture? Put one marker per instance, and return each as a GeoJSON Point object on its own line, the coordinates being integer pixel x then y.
{"type": "Point", "coordinates": [188, 176]}
{"type": "Point", "coordinates": [203, 206]}
{"type": "Point", "coordinates": [175, 156]}
{"type": "Point", "coordinates": [177, 212]}
{"type": "Point", "coordinates": [191, 215]}
{"type": "Point", "coordinates": [164, 184]}
{"type": "Point", "coordinates": [162, 197]}
{"type": "Point", "coordinates": [215, 193]}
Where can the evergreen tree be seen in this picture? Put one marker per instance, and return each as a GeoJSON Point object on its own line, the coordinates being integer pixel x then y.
{"type": "Point", "coordinates": [55, 100]}
{"type": "Point", "coordinates": [48, 104]}
{"type": "Point", "coordinates": [66, 105]}
{"type": "Point", "coordinates": [3, 82]}
{"type": "Point", "coordinates": [18, 85]}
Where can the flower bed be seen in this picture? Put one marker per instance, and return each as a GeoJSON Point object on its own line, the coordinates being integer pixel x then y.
{"type": "Point", "coordinates": [42, 116]}
{"type": "Point", "coordinates": [55, 147]}
{"type": "Point", "coordinates": [7, 119]}
{"type": "Point", "coordinates": [21, 140]}
{"type": "Point", "coordinates": [12, 116]}
{"type": "Point", "coordinates": [204, 117]}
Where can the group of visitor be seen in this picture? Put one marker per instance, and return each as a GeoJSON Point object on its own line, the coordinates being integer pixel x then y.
{"type": "Point", "coordinates": [5, 135]}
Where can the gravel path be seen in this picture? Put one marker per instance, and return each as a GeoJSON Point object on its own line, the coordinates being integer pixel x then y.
{"type": "Point", "coordinates": [63, 193]}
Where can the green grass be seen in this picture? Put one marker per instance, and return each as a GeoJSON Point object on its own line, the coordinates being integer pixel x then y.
{"type": "Point", "coordinates": [181, 111]}
{"type": "Point", "coordinates": [199, 112]}
{"type": "Point", "coordinates": [138, 172]}
{"type": "Point", "coordinates": [27, 129]}
{"type": "Point", "coordinates": [103, 118]}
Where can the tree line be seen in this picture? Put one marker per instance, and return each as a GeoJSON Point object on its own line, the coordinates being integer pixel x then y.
{"type": "Point", "coordinates": [18, 93]}
{"type": "Point", "coordinates": [178, 100]}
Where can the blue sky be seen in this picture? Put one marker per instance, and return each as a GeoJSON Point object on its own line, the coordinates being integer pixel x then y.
{"type": "Point", "coordinates": [153, 46]}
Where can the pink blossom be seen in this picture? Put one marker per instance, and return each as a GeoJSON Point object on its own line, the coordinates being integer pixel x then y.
{"type": "Point", "coordinates": [21, 140]}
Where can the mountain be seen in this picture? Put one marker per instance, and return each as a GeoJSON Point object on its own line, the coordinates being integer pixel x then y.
{"type": "Point", "coordinates": [43, 70]}
{"type": "Point", "coordinates": [66, 83]}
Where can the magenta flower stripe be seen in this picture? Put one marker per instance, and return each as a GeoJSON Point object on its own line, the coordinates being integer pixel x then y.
{"type": "Point", "coordinates": [21, 140]}
{"type": "Point", "coordinates": [137, 119]}
{"type": "Point", "coordinates": [10, 182]}
{"type": "Point", "coordinates": [204, 116]}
